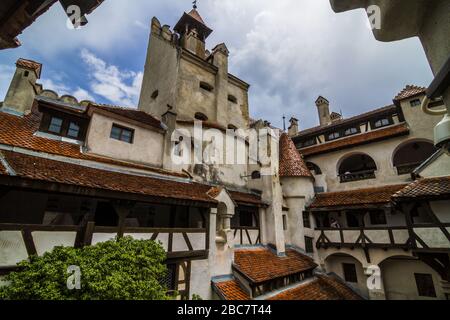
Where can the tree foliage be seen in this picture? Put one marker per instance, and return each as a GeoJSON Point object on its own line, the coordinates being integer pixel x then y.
{"type": "Point", "coordinates": [123, 268]}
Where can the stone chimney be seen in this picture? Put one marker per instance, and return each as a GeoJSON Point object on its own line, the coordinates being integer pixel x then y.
{"type": "Point", "coordinates": [323, 107]}
{"type": "Point", "coordinates": [293, 128]}
{"type": "Point", "coordinates": [22, 90]}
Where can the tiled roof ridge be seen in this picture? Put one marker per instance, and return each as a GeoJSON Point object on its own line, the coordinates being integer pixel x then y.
{"type": "Point", "coordinates": [409, 91]}
{"type": "Point", "coordinates": [291, 162]}
{"type": "Point", "coordinates": [419, 187]}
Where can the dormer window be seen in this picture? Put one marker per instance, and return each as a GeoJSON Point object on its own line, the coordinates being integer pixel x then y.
{"type": "Point", "coordinates": [55, 125]}
{"type": "Point", "coordinates": [122, 133]}
{"type": "Point", "coordinates": [232, 99]}
{"type": "Point", "coordinates": [334, 136]}
{"type": "Point", "coordinates": [351, 131]}
{"type": "Point", "coordinates": [415, 103]}
{"type": "Point", "coordinates": [200, 116]}
{"type": "Point", "coordinates": [206, 86]}
{"type": "Point", "coordinates": [382, 123]}
{"type": "Point", "coordinates": [74, 130]}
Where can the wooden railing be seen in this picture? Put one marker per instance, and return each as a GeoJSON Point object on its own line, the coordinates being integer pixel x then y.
{"type": "Point", "coordinates": [246, 235]}
{"type": "Point", "coordinates": [376, 237]}
{"type": "Point", "coordinates": [407, 168]}
{"type": "Point", "coordinates": [357, 176]}
{"type": "Point", "coordinates": [20, 241]}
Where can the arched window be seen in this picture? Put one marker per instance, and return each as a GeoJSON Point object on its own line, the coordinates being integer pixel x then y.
{"type": "Point", "coordinates": [411, 155]}
{"type": "Point", "coordinates": [200, 116]}
{"type": "Point", "coordinates": [357, 167]}
{"type": "Point", "coordinates": [314, 168]}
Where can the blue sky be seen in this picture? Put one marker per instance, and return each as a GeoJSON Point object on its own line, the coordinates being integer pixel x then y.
{"type": "Point", "coordinates": [290, 51]}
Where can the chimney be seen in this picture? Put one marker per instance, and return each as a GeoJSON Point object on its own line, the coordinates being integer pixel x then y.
{"type": "Point", "coordinates": [293, 128]}
{"type": "Point", "coordinates": [22, 90]}
{"type": "Point", "coordinates": [323, 107]}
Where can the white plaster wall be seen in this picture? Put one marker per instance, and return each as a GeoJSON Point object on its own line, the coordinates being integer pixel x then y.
{"type": "Point", "coordinates": [441, 209]}
{"type": "Point", "coordinates": [45, 241]}
{"type": "Point", "coordinates": [147, 146]}
{"type": "Point", "coordinates": [12, 248]}
{"type": "Point", "coordinates": [399, 281]}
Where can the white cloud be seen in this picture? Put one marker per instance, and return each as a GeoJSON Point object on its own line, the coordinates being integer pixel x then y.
{"type": "Point", "coordinates": [108, 81]}
{"type": "Point", "coordinates": [6, 74]}
{"type": "Point", "coordinates": [290, 51]}
{"type": "Point", "coordinates": [82, 94]}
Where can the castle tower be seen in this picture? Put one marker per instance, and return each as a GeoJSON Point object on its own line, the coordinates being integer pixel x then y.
{"type": "Point", "coordinates": [323, 107]}
{"type": "Point", "coordinates": [22, 90]}
{"type": "Point", "coordinates": [182, 76]}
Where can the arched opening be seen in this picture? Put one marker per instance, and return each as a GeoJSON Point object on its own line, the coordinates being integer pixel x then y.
{"type": "Point", "coordinates": [314, 168]}
{"type": "Point", "coordinates": [421, 282]}
{"type": "Point", "coordinates": [357, 167]}
{"type": "Point", "coordinates": [201, 116]}
{"type": "Point", "coordinates": [411, 155]}
{"type": "Point", "coordinates": [349, 269]}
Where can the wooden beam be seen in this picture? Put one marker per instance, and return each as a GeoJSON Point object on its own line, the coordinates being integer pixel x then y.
{"type": "Point", "coordinates": [29, 243]}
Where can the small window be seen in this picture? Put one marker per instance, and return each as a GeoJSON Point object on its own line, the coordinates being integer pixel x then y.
{"type": "Point", "coordinates": [155, 94]}
{"type": "Point", "coordinates": [232, 98]}
{"type": "Point", "coordinates": [307, 143]}
{"type": "Point", "coordinates": [377, 217]}
{"type": "Point", "coordinates": [415, 102]}
{"type": "Point", "coordinates": [55, 125]}
{"type": "Point", "coordinates": [200, 116]}
{"type": "Point", "coordinates": [26, 74]}
{"type": "Point", "coordinates": [353, 220]}
{"type": "Point", "coordinates": [206, 86]}
{"type": "Point", "coordinates": [309, 245]}
{"type": "Point", "coordinates": [74, 130]}
{"type": "Point", "coordinates": [232, 127]}
{"type": "Point", "coordinates": [382, 123]}
{"type": "Point", "coordinates": [306, 220]}
{"type": "Point", "coordinates": [351, 131]}
{"type": "Point", "coordinates": [350, 272]}
{"type": "Point", "coordinates": [122, 133]}
{"type": "Point", "coordinates": [334, 136]}
{"type": "Point", "coordinates": [284, 222]}
{"type": "Point", "coordinates": [425, 285]}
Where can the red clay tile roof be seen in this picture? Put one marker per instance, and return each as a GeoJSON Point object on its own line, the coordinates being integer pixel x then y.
{"type": "Point", "coordinates": [425, 188]}
{"type": "Point", "coordinates": [410, 91]}
{"type": "Point", "coordinates": [261, 265]}
{"type": "Point", "coordinates": [247, 198]}
{"type": "Point", "coordinates": [194, 14]}
{"type": "Point", "coordinates": [31, 65]}
{"type": "Point", "coordinates": [230, 290]}
{"type": "Point", "coordinates": [19, 132]}
{"type": "Point", "coordinates": [356, 198]}
{"type": "Point", "coordinates": [132, 114]}
{"type": "Point", "coordinates": [36, 168]}
{"type": "Point", "coordinates": [291, 162]}
{"type": "Point", "coordinates": [352, 141]}
{"type": "Point", "coordinates": [322, 288]}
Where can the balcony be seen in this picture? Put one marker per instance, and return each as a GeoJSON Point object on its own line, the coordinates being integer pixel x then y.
{"type": "Point", "coordinates": [371, 237]}
{"type": "Point", "coordinates": [357, 176]}
{"type": "Point", "coordinates": [407, 168]}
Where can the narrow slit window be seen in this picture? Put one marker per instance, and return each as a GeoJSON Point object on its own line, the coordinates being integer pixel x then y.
{"type": "Point", "coordinates": [232, 99]}
{"type": "Point", "coordinates": [206, 86]}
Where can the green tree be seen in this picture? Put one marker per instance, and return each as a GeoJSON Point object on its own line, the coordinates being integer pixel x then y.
{"type": "Point", "coordinates": [123, 268]}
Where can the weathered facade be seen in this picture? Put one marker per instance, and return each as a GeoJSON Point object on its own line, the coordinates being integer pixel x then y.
{"type": "Point", "coordinates": [76, 173]}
